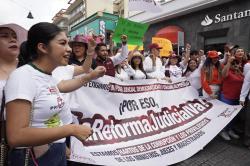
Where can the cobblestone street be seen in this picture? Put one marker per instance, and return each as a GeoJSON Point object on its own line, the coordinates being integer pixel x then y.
{"type": "Point", "coordinates": [220, 153]}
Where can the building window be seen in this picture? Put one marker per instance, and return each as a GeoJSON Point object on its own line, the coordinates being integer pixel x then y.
{"type": "Point", "coordinates": [61, 24]}
{"type": "Point", "coordinates": [164, 1]}
{"type": "Point", "coordinates": [78, 9]}
{"type": "Point", "coordinates": [122, 13]}
{"type": "Point", "coordinates": [77, 22]}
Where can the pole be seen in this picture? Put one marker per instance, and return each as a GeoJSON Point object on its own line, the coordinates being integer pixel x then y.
{"type": "Point", "coordinates": [127, 7]}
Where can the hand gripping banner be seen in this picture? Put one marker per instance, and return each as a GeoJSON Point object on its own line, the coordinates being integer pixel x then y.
{"type": "Point", "coordinates": [144, 122]}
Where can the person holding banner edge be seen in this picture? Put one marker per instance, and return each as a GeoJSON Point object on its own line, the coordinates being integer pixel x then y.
{"type": "Point", "coordinates": [32, 94]}
{"type": "Point", "coordinates": [230, 92]}
{"type": "Point", "coordinates": [11, 35]}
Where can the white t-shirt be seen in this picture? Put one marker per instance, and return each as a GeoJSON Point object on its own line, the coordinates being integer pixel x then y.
{"type": "Point", "coordinates": [153, 71]}
{"type": "Point", "coordinates": [40, 89]}
{"type": "Point", "coordinates": [246, 68]}
{"type": "Point", "coordinates": [65, 73]}
{"type": "Point", "coordinates": [138, 75]}
{"type": "Point", "coordinates": [245, 87]}
{"type": "Point", "coordinates": [126, 72]}
{"type": "Point", "coordinates": [175, 72]}
{"type": "Point", "coordinates": [123, 75]}
{"type": "Point", "coordinates": [195, 77]}
{"type": "Point", "coordinates": [120, 56]}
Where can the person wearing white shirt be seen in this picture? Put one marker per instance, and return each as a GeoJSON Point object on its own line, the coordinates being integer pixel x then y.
{"type": "Point", "coordinates": [246, 68]}
{"type": "Point", "coordinates": [136, 63]}
{"type": "Point", "coordinates": [175, 69]}
{"type": "Point", "coordinates": [152, 63]}
{"type": "Point", "coordinates": [193, 74]}
{"type": "Point", "coordinates": [245, 101]}
{"type": "Point", "coordinates": [123, 71]}
{"type": "Point", "coordinates": [68, 72]}
{"type": "Point", "coordinates": [34, 100]}
{"type": "Point", "coordinates": [244, 94]}
{"type": "Point", "coordinates": [64, 73]}
{"type": "Point", "coordinates": [11, 35]}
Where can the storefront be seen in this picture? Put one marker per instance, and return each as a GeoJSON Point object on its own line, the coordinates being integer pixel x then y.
{"type": "Point", "coordinates": [213, 27]}
{"type": "Point", "coordinates": [99, 23]}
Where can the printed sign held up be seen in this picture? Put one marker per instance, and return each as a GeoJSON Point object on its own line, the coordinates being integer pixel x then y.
{"type": "Point", "coordinates": [135, 31]}
{"type": "Point", "coordinates": [132, 47]}
{"type": "Point", "coordinates": [165, 44]}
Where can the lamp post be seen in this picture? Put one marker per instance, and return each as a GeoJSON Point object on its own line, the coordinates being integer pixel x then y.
{"type": "Point", "coordinates": [30, 16]}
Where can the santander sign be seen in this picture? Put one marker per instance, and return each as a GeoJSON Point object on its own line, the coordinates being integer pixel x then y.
{"type": "Point", "coordinates": [224, 18]}
{"type": "Point", "coordinates": [207, 21]}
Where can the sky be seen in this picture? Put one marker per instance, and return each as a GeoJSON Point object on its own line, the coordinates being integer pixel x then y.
{"type": "Point", "coordinates": [16, 11]}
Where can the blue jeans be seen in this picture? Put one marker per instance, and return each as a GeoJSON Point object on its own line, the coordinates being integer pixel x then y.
{"type": "Point", "coordinates": [229, 101]}
{"type": "Point", "coordinates": [200, 92]}
{"type": "Point", "coordinates": [55, 156]}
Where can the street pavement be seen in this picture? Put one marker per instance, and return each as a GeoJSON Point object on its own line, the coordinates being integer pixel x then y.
{"type": "Point", "coordinates": [217, 153]}
{"type": "Point", "coordinates": [220, 153]}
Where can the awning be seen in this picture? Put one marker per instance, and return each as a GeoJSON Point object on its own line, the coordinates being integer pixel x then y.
{"type": "Point", "coordinates": [170, 33]}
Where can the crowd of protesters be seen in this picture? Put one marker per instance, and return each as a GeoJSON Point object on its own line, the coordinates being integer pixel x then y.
{"type": "Point", "coordinates": [214, 75]}
{"type": "Point", "coordinates": [50, 67]}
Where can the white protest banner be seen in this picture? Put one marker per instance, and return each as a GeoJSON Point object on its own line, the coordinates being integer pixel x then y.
{"type": "Point", "coordinates": [145, 122]}
{"type": "Point", "coordinates": [144, 5]}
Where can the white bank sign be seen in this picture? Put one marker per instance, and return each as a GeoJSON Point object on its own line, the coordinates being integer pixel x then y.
{"type": "Point", "coordinates": [224, 18]}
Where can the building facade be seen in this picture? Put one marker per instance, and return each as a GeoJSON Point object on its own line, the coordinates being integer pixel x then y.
{"type": "Point", "coordinates": [79, 10]}
{"type": "Point", "coordinates": [121, 8]}
{"type": "Point", "coordinates": [207, 26]}
{"type": "Point", "coordinates": [61, 20]}
{"type": "Point", "coordinates": [99, 23]}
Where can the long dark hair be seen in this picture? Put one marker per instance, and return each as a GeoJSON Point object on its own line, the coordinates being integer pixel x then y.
{"type": "Point", "coordinates": [208, 68]}
{"type": "Point", "coordinates": [244, 59]}
{"type": "Point", "coordinates": [42, 32]}
{"type": "Point", "coordinates": [188, 68]}
{"type": "Point", "coordinates": [178, 61]}
{"type": "Point", "coordinates": [140, 66]}
{"type": "Point", "coordinates": [117, 68]}
{"type": "Point", "coordinates": [167, 73]}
